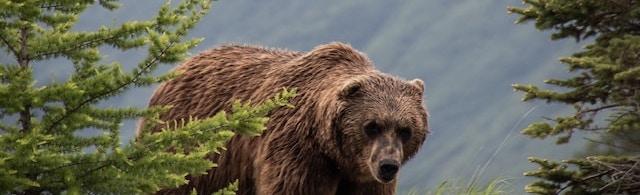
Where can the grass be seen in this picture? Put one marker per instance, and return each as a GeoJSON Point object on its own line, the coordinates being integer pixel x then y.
{"type": "Point", "coordinates": [498, 186]}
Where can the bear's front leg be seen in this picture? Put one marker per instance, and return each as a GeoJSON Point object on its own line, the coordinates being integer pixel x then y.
{"type": "Point", "coordinates": [286, 172]}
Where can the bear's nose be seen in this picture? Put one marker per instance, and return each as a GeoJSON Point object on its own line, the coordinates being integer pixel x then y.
{"type": "Point", "coordinates": [388, 169]}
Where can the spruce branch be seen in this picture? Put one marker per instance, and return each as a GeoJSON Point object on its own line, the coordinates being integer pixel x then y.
{"type": "Point", "coordinates": [91, 42]}
{"type": "Point", "coordinates": [51, 157]}
{"type": "Point", "coordinates": [156, 56]}
{"type": "Point", "coordinates": [605, 84]}
{"type": "Point", "coordinates": [6, 42]}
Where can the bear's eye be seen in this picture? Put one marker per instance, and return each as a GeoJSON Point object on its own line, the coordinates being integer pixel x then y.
{"type": "Point", "coordinates": [404, 134]}
{"type": "Point", "coordinates": [372, 129]}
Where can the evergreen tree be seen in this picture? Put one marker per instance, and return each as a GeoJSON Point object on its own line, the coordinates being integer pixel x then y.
{"type": "Point", "coordinates": [41, 150]}
{"type": "Point", "coordinates": [604, 91]}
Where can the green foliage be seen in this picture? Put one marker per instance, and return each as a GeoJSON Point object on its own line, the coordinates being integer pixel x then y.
{"type": "Point", "coordinates": [216, 129]}
{"type": "Point", "coordinates": [41, 149]}
{"type": "Point", "coordinates": [192, 140]}
{"type": "Point", "coordinates": [580, 19]}
{"type": "Point", "coordinates": [593, 175]}
{"type": "Point", "coordinates": [605, 93]}
{"type": "Point", "coordinates": [229, 190]}
{"type": "Point", "coordinates": [608, 79]}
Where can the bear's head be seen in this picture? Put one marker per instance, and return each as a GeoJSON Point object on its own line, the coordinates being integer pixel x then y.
{"type": "Point", "coordinates": [380, 124]}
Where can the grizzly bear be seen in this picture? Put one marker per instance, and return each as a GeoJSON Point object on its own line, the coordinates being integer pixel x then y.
{"type": "Point", "coordinates": [350, 131]}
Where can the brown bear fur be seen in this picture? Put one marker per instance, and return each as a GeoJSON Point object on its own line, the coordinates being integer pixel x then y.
{"type": "Point", "coordinates": [348, 119]}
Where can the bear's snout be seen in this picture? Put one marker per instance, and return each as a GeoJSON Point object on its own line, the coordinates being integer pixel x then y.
{"type": "Point", "coordinates": [388, 169]}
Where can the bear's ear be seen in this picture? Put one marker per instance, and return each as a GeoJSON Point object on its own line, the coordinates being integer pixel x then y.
{"type": "Point", "coordinates": [350, 88]}
{"type": "Point", "coordinates": [419, 84]}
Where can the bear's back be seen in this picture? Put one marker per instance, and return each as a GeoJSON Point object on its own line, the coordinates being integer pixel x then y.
{"type": "Point", "coordinates": [211, 80]}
